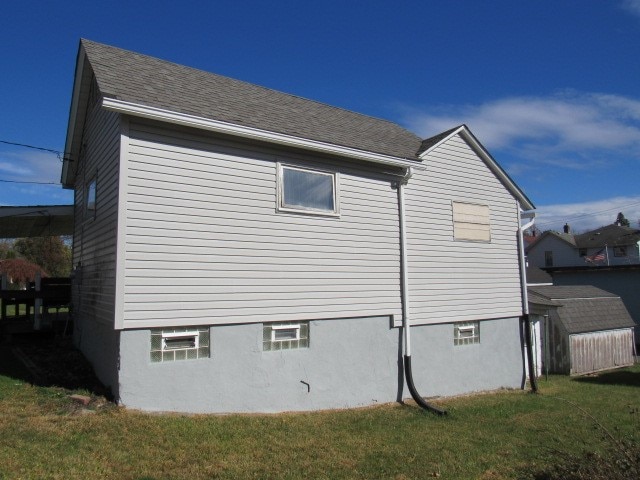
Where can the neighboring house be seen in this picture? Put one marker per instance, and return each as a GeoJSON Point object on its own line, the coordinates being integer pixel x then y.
{"type": "Point", "coordinates": [239, 249]}
{"type": "Point", "coordinates": [605, 246]}
{"type": "Point", "coordinates": [587, 329]}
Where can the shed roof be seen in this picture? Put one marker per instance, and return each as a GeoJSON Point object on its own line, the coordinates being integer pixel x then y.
{"type": "Point", "coordinates": [583, 308]}
{"type": "Point", "coordinates": [561, 292]}
{"type": "Point", "coordinates": [594, 314]}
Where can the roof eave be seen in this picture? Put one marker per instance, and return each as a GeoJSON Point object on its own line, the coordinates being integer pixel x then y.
{"type": "Point", "coordinates": [154, 113]}
{"type": "Point", "coordinates": [464, 131]}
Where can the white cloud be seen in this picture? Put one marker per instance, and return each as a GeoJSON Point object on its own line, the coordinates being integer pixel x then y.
{"type": "Point", "coordinates": [564, 122]}
{"type": "Point", "coordinates": [28, 166]}
{"type": "Point", "coordinates": [588, 215]}
{"type": "Point", "coordinates": [632, 6]}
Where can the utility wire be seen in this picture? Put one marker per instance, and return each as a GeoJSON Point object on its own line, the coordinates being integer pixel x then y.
{"type": "Point", "coordinates": [33, 183]}
{"type": "Point", "coordinates": [574, 217]}
{"type": "Point", "coordinates": [58, 153]}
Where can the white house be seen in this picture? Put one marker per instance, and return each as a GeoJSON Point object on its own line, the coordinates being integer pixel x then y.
{"type": "Point", "coordinates": [240, 249]}
{"type": "Point", "coordinates": [605, 246]}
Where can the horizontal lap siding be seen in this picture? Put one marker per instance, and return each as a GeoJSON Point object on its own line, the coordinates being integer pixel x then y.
{"type": "Point", "coordinates": [95, 238]}
{"type": "Point", "coordinates": [205, 245]}
{"type": "Point", "coordinates": [454, 280]}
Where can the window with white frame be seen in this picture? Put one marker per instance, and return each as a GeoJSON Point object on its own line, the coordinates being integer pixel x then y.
{"type": "Point", "coordinates": [471, 222]}
{"type": "Point", "coordinates": [285, 335]}
{"type": "Point", "coordinates": [90, 198]}
{"type": "Point", "coordinates": [305, 190]}
{"type": "Point", "coordinates": [168, 345]}
{"type": "Point", "coordinates": [466, 333]}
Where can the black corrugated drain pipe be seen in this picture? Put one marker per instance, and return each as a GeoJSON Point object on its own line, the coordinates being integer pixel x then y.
{"type": "Point", "coordinates": [528, 338]}
{"type": "Point", "coordinates": [405, 305]}
{"type": "Point", "coordinates": [414, 393]}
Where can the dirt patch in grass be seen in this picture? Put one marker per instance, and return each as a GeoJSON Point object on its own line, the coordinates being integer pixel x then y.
{"type": "Point", "coordinates": [620, 464]}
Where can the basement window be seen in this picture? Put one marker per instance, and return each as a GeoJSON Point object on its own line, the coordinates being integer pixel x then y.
{"type": "Point", "coordinates": [466, 333]}
{"type": "Point", "coordinates": [169, 345]}
{"type": "Point", "coordinates": [285, 336]}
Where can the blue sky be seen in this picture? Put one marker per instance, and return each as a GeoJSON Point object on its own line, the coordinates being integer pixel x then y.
{"type": "Point", "coordinates": [551, 88]}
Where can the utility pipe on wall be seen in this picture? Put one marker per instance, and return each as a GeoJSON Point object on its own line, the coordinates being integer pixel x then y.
{"type": "Point", "coordinates": [405, 302]}
{"type": "Point", "coordinates": [526, 320]}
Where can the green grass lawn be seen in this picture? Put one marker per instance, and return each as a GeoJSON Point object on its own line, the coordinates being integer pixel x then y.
{"type": "Point", "coordinates": [508, 434]}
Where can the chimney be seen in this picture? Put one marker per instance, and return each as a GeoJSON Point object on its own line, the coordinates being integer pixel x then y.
{"type": "Point", "coordinates": [567, 228]}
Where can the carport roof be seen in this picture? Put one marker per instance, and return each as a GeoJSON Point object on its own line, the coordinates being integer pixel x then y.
{"type": "Point", "coordinates": [36, 221]}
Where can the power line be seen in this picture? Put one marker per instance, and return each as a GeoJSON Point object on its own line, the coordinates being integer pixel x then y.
{"type": "Point", "coordinates": [58, 153]}
{"type": "Point", "coordinates": [574, 217]}
{"type": "Point", "coordinates": [33, 183]}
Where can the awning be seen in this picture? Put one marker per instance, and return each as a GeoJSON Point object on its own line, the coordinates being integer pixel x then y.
{"type": "Point", "coordinates": [36, 221]}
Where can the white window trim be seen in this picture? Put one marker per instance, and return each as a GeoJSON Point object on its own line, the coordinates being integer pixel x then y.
{"type": "Point", "coordinates": [466, 333]}
{"type": "Point", "coordinates": [275, 328]}
{"type": "Point", "coordinates": [173, 335]}
{"type": "Point", "coordinates": [281, 207]}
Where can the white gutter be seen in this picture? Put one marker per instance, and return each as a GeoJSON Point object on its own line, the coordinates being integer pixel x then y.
{"type": "Point", "coordinates": [153, 113]}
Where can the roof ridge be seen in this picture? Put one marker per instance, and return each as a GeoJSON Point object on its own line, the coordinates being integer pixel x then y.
{"type": "Point", "coordinates": [250, 84]}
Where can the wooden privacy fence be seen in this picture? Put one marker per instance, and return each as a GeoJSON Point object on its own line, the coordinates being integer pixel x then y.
{"type": "Point", "coordinates": [37, 299]}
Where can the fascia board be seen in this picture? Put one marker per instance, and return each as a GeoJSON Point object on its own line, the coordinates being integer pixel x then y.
{"type": "Point", "coordinates": [525, 203]}
{"type": "Point", "coordinates": [464, 131]}
{"type": "Point", "coordinates": [154, 113]}
{"type": "Point", "coordinates": [73, 117]}
{"type": "Point", "coordinates": [424, 154]}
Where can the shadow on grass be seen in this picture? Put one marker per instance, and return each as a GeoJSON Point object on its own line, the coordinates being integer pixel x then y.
{"type": "Point", "coordinates": [46, 360]}
{"type": "Point", "coordinates": [616, 377]}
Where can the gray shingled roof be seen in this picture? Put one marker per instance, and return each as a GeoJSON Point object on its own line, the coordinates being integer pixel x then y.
{"type": "Point", "coordinates": [594, 314]}
{"type": "Point", "coordinates": [611, 235]}
{"type": "Point", "coordinates": [583, 308]}
{"type": "Point", "coordinates": [537, 275]}
{"type": "Point", "coordinates": [148, 81]}
{"type": "Point", "coordinates": [561, 292]}
{"type": "Point", "coordinates": [431, 141]}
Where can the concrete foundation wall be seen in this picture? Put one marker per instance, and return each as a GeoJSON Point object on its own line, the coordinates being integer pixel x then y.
{"type": "Point", "coordinates": [350, 363]}
{"type": "Point", "coordinates": [99, 343]}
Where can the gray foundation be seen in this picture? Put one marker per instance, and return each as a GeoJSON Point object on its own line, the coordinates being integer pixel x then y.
{"type": "Point", "coordinates": [350, 363]}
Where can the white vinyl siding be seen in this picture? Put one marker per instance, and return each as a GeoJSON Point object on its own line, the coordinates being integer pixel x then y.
{"type": "Point", "coordinates": [94, 243]}
{"type": "Point", "coordinates": [452, 280]}
{"type": "Point", "coordinates": [205, 245]}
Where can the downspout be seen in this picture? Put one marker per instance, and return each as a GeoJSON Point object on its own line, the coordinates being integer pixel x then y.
{"type": "Point", "coordinates": [525, 319]}
{"type": "Point", "coordinates": [405, 301]}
